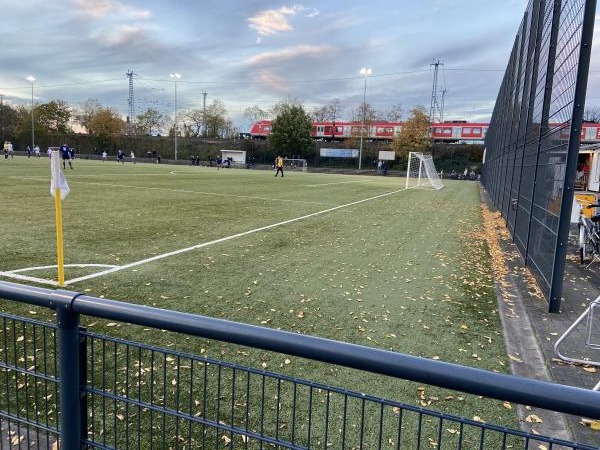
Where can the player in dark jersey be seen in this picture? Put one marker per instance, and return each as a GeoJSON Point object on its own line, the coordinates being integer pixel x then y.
{"type": "Point", "coordinates": [65, 153]}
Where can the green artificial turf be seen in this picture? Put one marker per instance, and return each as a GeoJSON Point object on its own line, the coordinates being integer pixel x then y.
{"type": "Point", "coordinates": [352, 258]}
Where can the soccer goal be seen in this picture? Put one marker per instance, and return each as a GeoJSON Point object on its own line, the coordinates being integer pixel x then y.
{"type": "Point", "coordinates": [296, 164]}
{"type": "Point", "coordinates": [421, 172]}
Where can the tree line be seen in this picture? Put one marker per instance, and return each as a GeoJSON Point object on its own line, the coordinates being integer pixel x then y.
{"type": "Point", "coordinates": [202, 132]}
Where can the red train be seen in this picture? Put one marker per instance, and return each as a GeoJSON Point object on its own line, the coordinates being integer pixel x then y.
{"type": "Point", "coordinates": [456, 131]}
{"type": "Point", "coordinates": [446, 131]}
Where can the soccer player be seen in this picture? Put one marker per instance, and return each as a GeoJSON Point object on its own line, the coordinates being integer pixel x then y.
{"type": "Point", "coordinates": [279, 164]}
{"type": "Point", "coordinates": [65, 153]}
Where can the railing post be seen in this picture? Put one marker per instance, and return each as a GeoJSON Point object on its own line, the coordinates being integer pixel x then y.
{"type": "Point", "coordinates": [70, 376]}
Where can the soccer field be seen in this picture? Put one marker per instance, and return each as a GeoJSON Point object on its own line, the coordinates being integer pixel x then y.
{"type": "Point", "coordinates": [353, 258]}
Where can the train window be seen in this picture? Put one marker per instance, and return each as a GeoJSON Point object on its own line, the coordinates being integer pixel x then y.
{"type": "Point", "coordinates": [339, 129]}
{"type": "Point", "coordinates": [476, 130]}
{"type": "Point", "coordinates": [447, 130]}
{"type": "Point", "coordinates": [383, 130]}
{"type": "Point", "coordinates": [267, 128]}
{"type": "Point", "coordinates": [327, 130]}
{"type": "Point", "coordinates": [466, 130]}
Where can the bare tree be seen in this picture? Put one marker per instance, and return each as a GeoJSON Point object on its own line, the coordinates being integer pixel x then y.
{"type": "Point", "coordinates": [255, 113]}
{"type": "Point", "coordinates": [150, 122]}
{"type": "Point", "coordinates": [394, 114]}
{"type": "Point", "coordinates": [591, 114]}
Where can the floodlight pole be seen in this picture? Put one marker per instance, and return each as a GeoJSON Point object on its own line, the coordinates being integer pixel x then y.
{"type": "Point", "coordinates": [175, 77]}
{"type": "Point", "coordinates": [364, 72]}
{"type": "Point", "coordinates": [31, 79]}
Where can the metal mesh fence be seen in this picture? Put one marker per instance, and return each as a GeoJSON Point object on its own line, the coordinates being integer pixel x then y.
{"type": "Point", "coordinates": [139, 396]}
{"type": "Point", "coordinates": [29, 414]}
{"type": "Point", "coordinates": [533, 139]}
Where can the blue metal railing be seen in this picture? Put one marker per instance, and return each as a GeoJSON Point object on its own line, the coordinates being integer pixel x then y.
{"type": "Point", "coordinates": [115, 393]}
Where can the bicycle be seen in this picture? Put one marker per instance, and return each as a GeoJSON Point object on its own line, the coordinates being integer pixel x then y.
{"type": "Point", "coordinates": [589, 235]}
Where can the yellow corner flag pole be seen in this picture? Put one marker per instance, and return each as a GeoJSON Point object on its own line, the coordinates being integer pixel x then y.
{"type": "Point", "coordinates": [59, 189]}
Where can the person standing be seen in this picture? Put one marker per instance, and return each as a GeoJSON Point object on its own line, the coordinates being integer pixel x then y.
{"type": "Point", "coordinates": [279, 165]}
{"type": "Point", "coordinates": [65, 153]}
{"type": "Point", "coordinates": [132, 156]}
{"type": "Point", "coordinates": [36, 151]}
{"type": "Point", "coordinates": [121, 156]}
{"type": "Point", "coordinates": [104, 156]}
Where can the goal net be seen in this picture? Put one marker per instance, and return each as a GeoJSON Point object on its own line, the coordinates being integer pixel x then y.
{"type": "Point", "coordinates": [421, 172]}
{"type": "Point", "coordinates": [295, 163]}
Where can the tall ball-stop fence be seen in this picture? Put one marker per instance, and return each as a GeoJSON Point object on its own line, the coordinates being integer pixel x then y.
{"type": "Point", "coordinates": [532, 144]}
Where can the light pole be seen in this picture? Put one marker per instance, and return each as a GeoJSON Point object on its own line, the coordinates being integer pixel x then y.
{"type": "Point", "coordinates": [364, 72]}
{"type": "Point", "coordinates": [175, 77]}
{"type": "Point", "coordinates": [31, 79]}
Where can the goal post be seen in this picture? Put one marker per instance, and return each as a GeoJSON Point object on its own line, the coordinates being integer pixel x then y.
{"type": "Point", "coordinates": [421, 172]}
{"type": "Point", "coordinates": [296, 164]}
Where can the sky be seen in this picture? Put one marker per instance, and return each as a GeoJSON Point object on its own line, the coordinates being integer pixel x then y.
{"type": "Point", "coordinates": [249, 53]}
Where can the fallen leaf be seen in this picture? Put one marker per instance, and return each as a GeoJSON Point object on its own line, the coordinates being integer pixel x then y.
{"type": "Point", "coordinates": [532, 418]}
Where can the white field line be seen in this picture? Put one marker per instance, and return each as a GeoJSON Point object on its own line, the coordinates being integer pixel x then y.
{"type": "Point", "coordinates": [220, 194]}
{"type": "Point", "coordinates": [29, 269]}
{"type": "Point", "coordinates": [15, 274]}
{"type": "Point", "coordinates": [184, 191]}
{"type": "Point", "coordinates": [339, 182]}
{"type": "Point", "coordinates": [223, 239]}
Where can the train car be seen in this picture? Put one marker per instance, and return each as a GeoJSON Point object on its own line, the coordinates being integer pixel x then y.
{"type": "Point", "coordinates": [590, 132]}
{"type": "Point", "coordinates": [452, 131]}
{"type": "Point", "coordinates": [260, 129]}
{"type": "Point", "coordinates": [380, 130]}
{"type": "Point", "coordinates": [458, 131]}
{"type": "Point", "coordinates": [330, 130]}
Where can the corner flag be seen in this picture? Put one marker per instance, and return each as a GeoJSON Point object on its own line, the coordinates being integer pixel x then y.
{"type": "Point", "coordinates": [58, 180]}
{"type": "Point", "coordinates": [59, 189]}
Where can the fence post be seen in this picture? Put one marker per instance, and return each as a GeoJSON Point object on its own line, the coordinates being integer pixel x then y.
{"type": "Point", "coordinates": [70, 376]}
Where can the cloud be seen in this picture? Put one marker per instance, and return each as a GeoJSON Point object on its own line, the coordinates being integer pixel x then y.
{"type": "Point", "coordinates": [98, 9]}
{"type": "Point", "coordinates": [290, 53]}
{"type": "Point", "coordinates": [274, 21]}
{"type": "Point", "coordinates": [122, 35]}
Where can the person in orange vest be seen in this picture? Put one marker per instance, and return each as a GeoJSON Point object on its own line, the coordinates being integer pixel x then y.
{"type": "Point", "coordinates": [279, 165]}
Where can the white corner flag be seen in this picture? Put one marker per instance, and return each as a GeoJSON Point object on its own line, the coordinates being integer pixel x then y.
{"type": "Point", "coordinates": [58, 180]}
